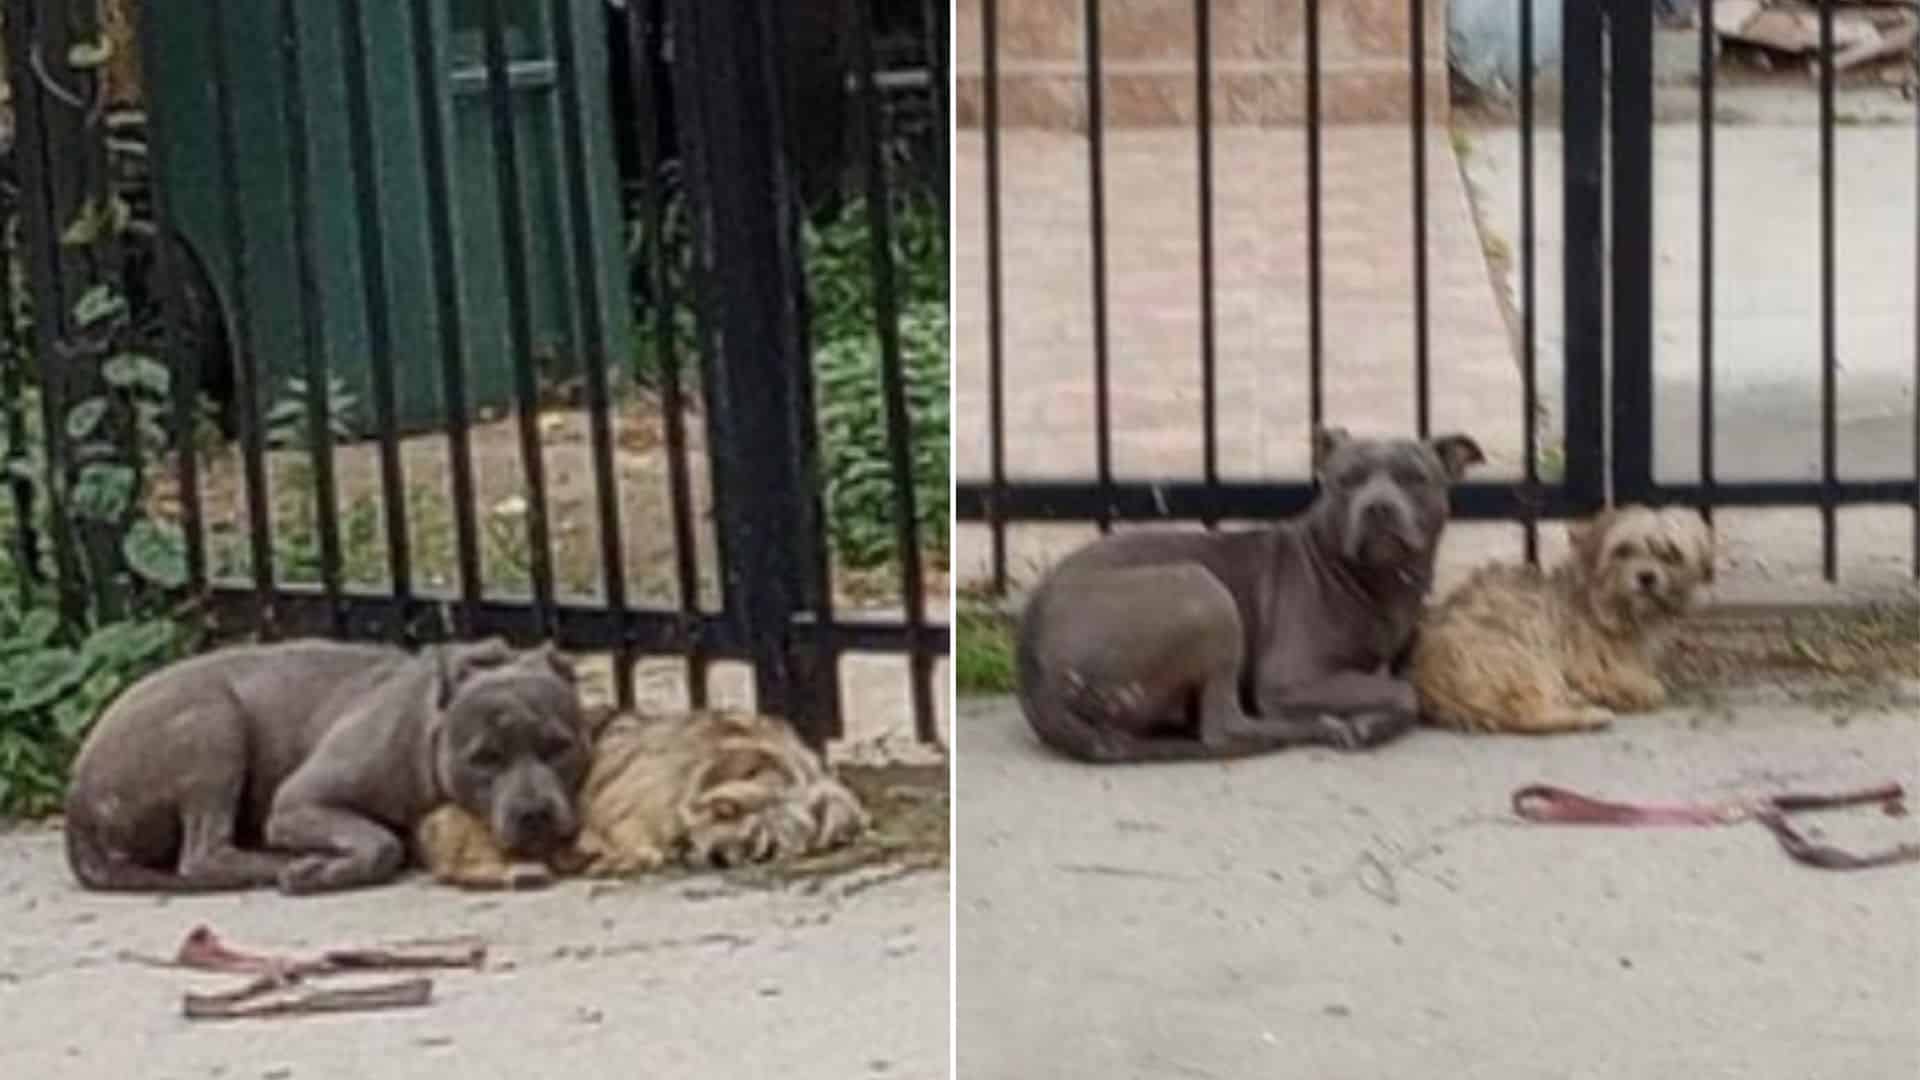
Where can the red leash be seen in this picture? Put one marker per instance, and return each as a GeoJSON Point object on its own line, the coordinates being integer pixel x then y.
{"type": "Point", "coordinates": [1547, 805]}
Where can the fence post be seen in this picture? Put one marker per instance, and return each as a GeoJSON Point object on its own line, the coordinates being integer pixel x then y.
{"type": "Point", "coordinates": [728, 84]}
{"type": "Point", "coordinates": [1583, 126]}
{"type": "Point", "coordinates": [1630, 280]}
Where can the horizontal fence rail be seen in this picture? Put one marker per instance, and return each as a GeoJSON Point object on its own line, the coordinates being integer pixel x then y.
{"type": "Point", "coordinates": [487, 220]}
{"type": "Point", "coordinates": [1607, 272]}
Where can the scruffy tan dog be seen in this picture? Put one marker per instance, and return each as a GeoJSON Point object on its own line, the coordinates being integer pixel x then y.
{"type": "Point", "coordinates": [701, 789]}
{"type": "Point", "coordinates": [1514, 649]}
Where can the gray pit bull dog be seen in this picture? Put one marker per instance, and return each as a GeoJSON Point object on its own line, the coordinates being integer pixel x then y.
{"type": "Point", "coordinates": [1165, 645]}
{"type": "Point", "coordinates": [307, 764]}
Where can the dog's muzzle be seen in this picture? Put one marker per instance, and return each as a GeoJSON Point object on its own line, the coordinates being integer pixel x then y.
{"type": "Point", "coordinates": [1381, 524]}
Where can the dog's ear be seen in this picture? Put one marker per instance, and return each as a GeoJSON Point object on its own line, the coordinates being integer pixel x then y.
{"type": "Point", "coordinates": [1326, 440]}
{"type": "Point", "coordinates": [1457, 452]}
{"type": "Point", "coordinates": [1586, 537]}
{"type": "Point", "coordinates": [1699, 536]}
{"type": "Point", "coordinates": [461, 661]}
{"type": "Point", "coordinates": [557, 662]}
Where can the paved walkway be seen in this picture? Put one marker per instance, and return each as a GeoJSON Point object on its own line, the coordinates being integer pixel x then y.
{"type": "Point", "coordinates": [1154, 312]}
{"type": "Point", "coordinates": [670, 981]}
{"type": "Point", "coordinates": [1331, 917]}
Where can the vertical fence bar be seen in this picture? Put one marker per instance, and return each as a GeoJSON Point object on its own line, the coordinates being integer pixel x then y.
{"type": "Point", "coordinates": [1417, 20]}
{"type": "Point", "coordinates": [594, 350]}
{"type": "Point", "coordinates": [39, 221]}
{"type": "Point", "coordinates": [1529, 318]}
{"type": "Point", "coordinates": [996, 322]}
{"type": "Point", "coordinates": [933, 16]}
{"type": "Point", "coordinates": [1829, 347]}
{"type": "Point", "coordinates": [893, 384]}
{"type": "Point", "coordinates": [725, 62]}
{"type": "Point", "coordinates": [1707, 79]}
{"type": "Point", "coordinates": [24, 541]}
{"type": "Point", "coordinates": [313, 338]}
{"type": "Point", "coordinates": [246, 363]}
{"type": "Point", "coordinates": [449, 316]}
{"type": "Point", "coordinates": [182, 363]}
{"type": "Point", "coordinates": [513, 244]}
{"type": "Point", "coordinates": [373, 278]}
{"type": "Point", "coordinates": [645, 31]}
{"type": "Point", "coordinates": [1316, 326]}
{"type": "Point", "coordinates": [1631, 284]}
{"type": "Point", "coordinates": [1097, 216]}
{"type": "Point", "coordinates": [1583, 111]}
{"type": "Point", "coordinates": [1209, 386]}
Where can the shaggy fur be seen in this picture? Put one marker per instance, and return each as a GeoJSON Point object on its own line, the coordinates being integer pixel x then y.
{"type": "Point", "coordinates": [1516, 650]}
{"type": "Point", "coordinates": [699, 789]}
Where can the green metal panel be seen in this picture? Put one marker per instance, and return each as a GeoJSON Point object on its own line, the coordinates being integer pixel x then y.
{"type": "Point", "coordinates": [182, 89]}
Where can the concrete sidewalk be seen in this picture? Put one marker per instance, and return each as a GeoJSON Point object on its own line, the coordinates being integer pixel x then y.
{"type": "Point", "coordinates": [668, 980]}
{"type": "Point", "coordinates": [1329, 917]}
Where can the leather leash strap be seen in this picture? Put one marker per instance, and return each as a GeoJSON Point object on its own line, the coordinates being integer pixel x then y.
{"type": "Point", "coordinates": [1548, 805]}
{"type": "Point", "coordinates": [279, 986]}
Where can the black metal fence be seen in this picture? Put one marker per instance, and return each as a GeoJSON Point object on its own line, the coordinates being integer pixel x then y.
{"type": "Point", "coordinates": [174, 253]}
{"type": "Point", "coordinates": [1608, 271]}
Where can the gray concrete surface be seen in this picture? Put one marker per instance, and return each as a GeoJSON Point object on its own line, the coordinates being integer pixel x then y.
{"type": "Point", "coordinates": [1766, 303]}
{"type": "Point", "coordinates": [1329, 917]}
{"type": "Point", "coordinates": [693, 979]}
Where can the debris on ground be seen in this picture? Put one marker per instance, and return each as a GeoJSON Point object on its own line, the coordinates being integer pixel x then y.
{"type": "Point", "coordinates": [1864, 32]}
{"type": "Point", "coordinates": [279, 985]}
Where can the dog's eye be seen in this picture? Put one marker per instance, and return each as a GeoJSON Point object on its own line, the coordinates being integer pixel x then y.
{"type": "Point", "coordinates": [484, 757]}
{"type": "Point", "coordinates": [1670, 554]}
{"type": "Point", "coordinates": [549, 749]}
{"type": "Point", "coordinates": [1409, 476]}
{"type": "Point", "coordinates": [1352, 478]}
{"type": "Point", "coordinates": [1623, 551]}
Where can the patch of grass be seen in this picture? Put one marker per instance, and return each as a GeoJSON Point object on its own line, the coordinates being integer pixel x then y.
{"type": "Point", "coordinates": [1830, 656]}
{"type": "Point", "coordinates": [983, 649]}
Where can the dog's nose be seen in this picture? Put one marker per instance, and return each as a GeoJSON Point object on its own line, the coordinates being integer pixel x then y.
{"type": "Point", "coordinates": [1648, 579]}
{"type": "Point", "coordinates": [535, 820]}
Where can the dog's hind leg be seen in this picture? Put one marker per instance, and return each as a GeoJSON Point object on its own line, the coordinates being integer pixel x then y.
{"type": "Point", "coordinates": [125, 833]}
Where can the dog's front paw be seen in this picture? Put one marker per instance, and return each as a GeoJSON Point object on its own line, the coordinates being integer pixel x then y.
{"type": "Point", "coordinates": [307, 875]}
{"type": "Point", "coordinates": [628, 862]}
{"type": "Point", "coordinates": [1635, 695]}
{"type": "Point", "coordinates": [1364, 731]}
{"type": "Point", "coordinates": [528, 875]}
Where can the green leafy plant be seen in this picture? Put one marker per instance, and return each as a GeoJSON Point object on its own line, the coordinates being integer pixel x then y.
{"type": "Point", "coordinates": [857, 469]}
{"type": "Point", "coordinates": [51, 692]}
{"type": "Point", "coordinates": [288, 426]}
{"type": "Point", "coordinates": [62, 662]}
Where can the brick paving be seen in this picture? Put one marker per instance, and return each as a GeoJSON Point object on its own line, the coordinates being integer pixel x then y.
{"type": "Point", "coordinates": [1154, 306]}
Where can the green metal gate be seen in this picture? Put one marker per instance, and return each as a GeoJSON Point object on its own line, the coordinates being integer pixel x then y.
{"type": "Point", "coordinates": [274, 305]}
